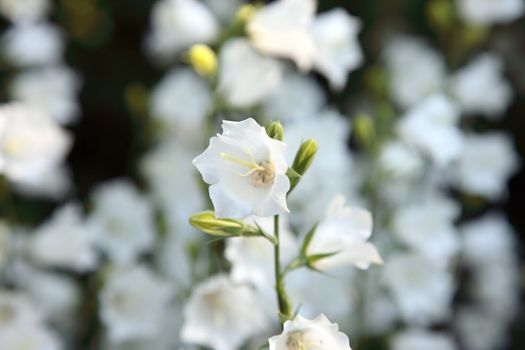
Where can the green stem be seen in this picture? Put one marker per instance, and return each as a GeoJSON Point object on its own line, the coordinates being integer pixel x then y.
{"type": "Point", "coordinates": [285, 310]}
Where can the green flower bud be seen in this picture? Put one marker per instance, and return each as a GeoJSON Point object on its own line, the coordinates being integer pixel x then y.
{"type": "Point", "coordinates": [207, 222]}
{"type": "Point", "coordinates": [305, 156]}
{"type": "Point", "coordinates": [365, 130]}
{"type": "Point", "coordinates": [275, 130]}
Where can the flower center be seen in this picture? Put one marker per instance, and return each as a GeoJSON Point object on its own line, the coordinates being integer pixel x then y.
{"type": "Point", "coordinates": [261, 174]}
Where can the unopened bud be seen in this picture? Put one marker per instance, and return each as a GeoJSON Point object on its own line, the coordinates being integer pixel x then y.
{"type": "Point", "coordinates": [203, 60]}
{"type": "Point", "coordinates": [275, 130]}
{"type": "Point", "coordinates": [305, 156]}
{"type": "Point", "coordinates": [207, 222]}
{"type": "Point", "coordinates": [246, 12]}
{"type": "Point", "coordinates": [364, 130]}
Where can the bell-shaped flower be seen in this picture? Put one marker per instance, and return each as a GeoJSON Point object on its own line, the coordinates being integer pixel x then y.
{"type": "Point", "coordinates": [302, 333]}
{"type": "Point", "coordinates": [246, 170]}
{"type": "Point", "coordinates": [342, 235]}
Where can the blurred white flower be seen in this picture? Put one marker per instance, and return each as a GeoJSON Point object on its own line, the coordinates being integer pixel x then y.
{"type": "Point", "coordinates": [296, 98]}
{"type": "Point", "coordinates": [246, 77]}
{"type": "Point", "coordinates": [178, 24]}
{"type": "Point", "coordinates": [479, 331]}
{"type": "Point", "coordinates": [133, 302]}
{"type": "Point", "coordinates": [283, 29]}
{"type": "Point", "coordinates": [398, 160]}
{"type": "Point", "coordinates": [222, 315]}
{"type": "Point", "coordinates": [64, 241]}
{"type": "Point", "coordinates": [224, 10]}
{"type": "Point", "coordinates": [489, 12]}
{"type": "Point", "coordinates": [471, 86]}
{"type": "Point", "coordinates": [344, 232]}
{"type": "Point", "coordinates": [422, 290]}
{"type": "Point", "coordinates": [485, 164]}
{"type": "Point", "coordinates": [121, 221]}
{"type": "Point", "coordinates": [302, 333]}
{"type": "Point", "coordinates": [432, 126]}
{"type": "Point", "coordinates": [246, 170]}
{"type": "Point", "coordinates": [31, 143]}
{"type": "Point", "coordinates": [416, 70]}
{"type": "Point", "coordinates": [181, 102]}
{"type": "Point", "coordinates": [24, 10]}
{"type": "Point", "coordinates": [51, 89]}
{"type": "Point", "coordinates": [32, 44]}
{"type": "Point", "coordinates": [337, 48]}
{"type": "Point", "coordinates": [420, 339]}
{"type": "Point", "coordinates": [53, 184]}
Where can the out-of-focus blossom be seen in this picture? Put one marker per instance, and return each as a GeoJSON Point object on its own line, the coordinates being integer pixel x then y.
{"type": "Point", "coordinates": [399, 160]}
{"type": "Point", "coordinates": [222, 315]}
{"type": "Point", "coordinates": [283, 29]}
{"type": "Point", "coordinates": [479, 331]}
{"type": "Point", "coordinates": [121, 222]}
{"type": "Point", "coordinates": [32, 44]}
{"type": "Point", "coordinates": [416, 70]}
{"type": "Point", "coordinates": [64, 241]}
{"type": "Point", "coordinates": [246, 77]}
{"type": "Point", "coordinates": [133, 302]}
{"type": "Point", "coordinates": [485, 164]}
{"type": "Point", "coordinates": [302, 333]}
{"type": "Point", "coordinates": [420, 339]}
{"type": "Point", "coordinates": [31, 143]}
{"type": "Point", "coordinates": [178, 24]}
{"type": "Point", "coordinates": [490, 12]}
{"type": "Point", "coordinates": [344, 232]}
{"type": "Point", "coordinates": [337, 48]}
{"type": "Point", "coordinates": [53, 184]}
{"type": "Point", "coordinates": [432, 126]}
{"type": "Point", "coordinates": [51, 89]}
{"type": "Point", "coordinates": [481, 88]}
{"type": "Point", "coordinates": [422, 290]}
{"type": "Point", "coordinates": [24, 10]}
{"type": "Point", "coordinates": [181, 102]}
{"type": "Point", "coordinates": [224, 10]}
{"type": "Point", "coordinates": [246, 170]}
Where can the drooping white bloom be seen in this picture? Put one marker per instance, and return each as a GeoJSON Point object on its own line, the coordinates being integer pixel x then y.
{"type": "Point", "coordinates": [485, 164]}
{"type": "Point", "coordinates": [302, 333]}
{"type": "Point", "coordinates": [121, 222]}
{"type": "Point", "coordinates": [31, 44]}
{"type": "Point", "coordinates": [64, 241]}
{"type": "Point", "coordinates": [24, 10]}
{"type": "Point", "coordinates": [432, 126]}
{"type": "Point", "coordinates": [398, 160]}
{"type": "Point", "coordinates": [222, 315]}
{"type": "Point", "coordinates": [246, 77]}
{"type": "Point", "coordinates": [337, 48]}
{"type": "Point", "coordinates": [283, 29]}
{"type": "Point", "coordinates": [178, 24]}
{"type": "Point", "coordinates": [296, 98]}
{"type": "Point", "coordinates": [133, 302]}
{"type": "Point", "coordinates": [344, 232]}
{"type": "Point", "coordinates": [246, 170]}
{"type": "Point", "coordinates": [422, 290]}
{"type": "Point", "coordinates": [416, 70]}
{"type": "Point", "coordinates": [490, 12]}
{"type": "Point", "coordinates": [51, 89]}
{"type": "Point", "coordinates": [471, 86]}
{"type": "Point", "coordinates": [419, 339]}
{"type": "Point", "coordinates": [31, 143]}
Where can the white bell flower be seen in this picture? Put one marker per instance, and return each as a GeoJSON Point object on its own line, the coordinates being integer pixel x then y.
{"type": "Point", "coordinates": [246, 170]}
{"type": "Point", "coordinates": [222, 315]}
{"type": "Point", "coordinates": [344, 232]}
{"type": "Point", "coordinates": [24, 10]}
{"type": "Point", "coordinates": [338, 51]}
{"type": "Point", "coordinates": [470, 84]}
{"type": "Point", "coordinates": [420, 339]}
{"type": "Point", "coordinates": [302, 333]}
{"type": "Point", "coordinates": [31, 143]}
{"type": "Point", "coordinates": [489, 11]}
{"type": "Point", "coordinates": [283, 29]}
{"type": "Point", "coordinates": [246, 77]}
{"type": "Point", "coordinates": [432, 126]}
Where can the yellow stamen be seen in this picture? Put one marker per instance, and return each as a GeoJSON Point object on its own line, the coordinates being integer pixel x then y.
{"type": "Point", "coordinates": [252, 164]}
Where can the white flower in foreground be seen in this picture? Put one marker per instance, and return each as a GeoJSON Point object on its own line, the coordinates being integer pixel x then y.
{"type": "Point", "coordinates": [420, 339]}
{"type": "Point", "coordinates": [64, 241]}
{"type": "Point", "coordinates": [471, 86]}
{"type": "Point", "coordinates": [246, 170]}
{"type": "Point", "coordinates": [246, 77]}
{"type": "Point", "coordinates": [133, 303]}
{"type": "Point", "coordinates": [486, 163]}
{"type": "Point", "coordinates": [32, 44]}
{"type": "Point", "coordinates": [344, 231]}
{"type": "Point", "coordinates": [178, 24]}
{"type": "Point", "coordinates": [432, 126]}
{"type": "Point", "coordinates": [31, 143]}
{"type": "Point", "coordinates": [283, 29]}
{"type": "Point", "coordinates": [338, 51]}
{"type": "Point", "coordinates": [222, 315]}
{"type": "Point", "coordinates": [24, 10]}
{"type": "Point", "coordinates": [315, 334]}
{"type": "Point", "coordinates": [122, 221]}
{"type": "Point", "coordinates": [488, 11]}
